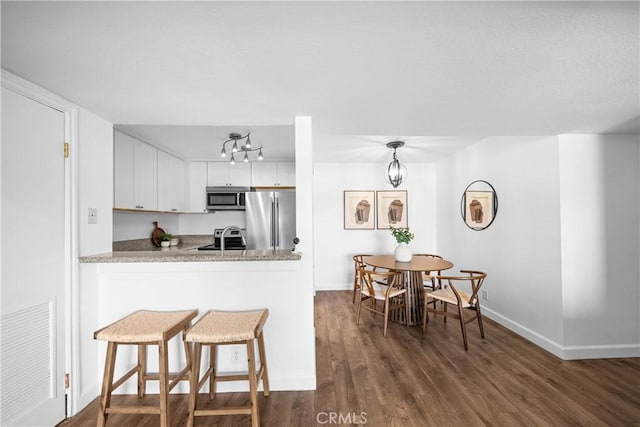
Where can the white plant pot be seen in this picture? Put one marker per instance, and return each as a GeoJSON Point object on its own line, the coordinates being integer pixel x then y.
{"type": "Point", "coordinates": [174, 242]}
{"type": "Point", "coordinates": [165, 243]}
{"type": "Point", "coordinates": [403, 252]}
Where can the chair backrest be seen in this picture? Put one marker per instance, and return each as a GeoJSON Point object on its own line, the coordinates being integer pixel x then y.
{"type": "Point", "coordinates": [475, 279]}
{"type": "Point", "coordinates": [392, 279]}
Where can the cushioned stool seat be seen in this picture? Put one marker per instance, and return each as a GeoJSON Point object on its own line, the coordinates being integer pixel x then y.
{"type": "Point", "coordinates": [218, 327]}
{"type": "Point", "coordinates": [143, 328]}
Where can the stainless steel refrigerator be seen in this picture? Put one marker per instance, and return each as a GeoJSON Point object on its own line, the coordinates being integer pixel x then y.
{"type": "Point", "coordinates": [271, 219]}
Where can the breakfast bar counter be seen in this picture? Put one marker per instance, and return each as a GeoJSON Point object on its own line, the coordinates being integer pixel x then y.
{"type": "Point", "coordinates": [134, 277]}
{"type": "Point", "coordinates": [191, 255]}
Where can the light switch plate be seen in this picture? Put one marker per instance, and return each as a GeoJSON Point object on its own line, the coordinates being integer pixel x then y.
{"type": "Point", "coordinates": [92, 216]}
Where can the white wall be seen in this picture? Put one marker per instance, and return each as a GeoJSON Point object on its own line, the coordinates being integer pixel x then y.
{"type": "Point", "coordinates": [334, 246]}
{"type": "Point", "coordinates": [565, 281]}
{"type": "Point", "coordinates": [95, 182]}
{"type": "Point", "coordinates": [520, 251]}
{"type": "Point", "coordinates": [599, 182]}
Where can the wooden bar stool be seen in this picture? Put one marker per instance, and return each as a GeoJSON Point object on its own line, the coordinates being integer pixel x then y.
{"type": "Point", "coordinates": [218, 327]}
{"type": "Point", "coordinates": [143, 328]}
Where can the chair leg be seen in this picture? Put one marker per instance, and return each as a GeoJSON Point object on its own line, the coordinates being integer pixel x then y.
{"type": "Point", "coordinates": [214, 374]}
{"type": "Point", "coordinates": [480, 320]}
{"type": "Point", "coordinates": [255, 413]}
{"type": "Point", "coordinates": [107, 382]}
{"type": "Point", "coordinates": [386, 317]}
{"type": "Point", "coordinates": [463, 327]}
{"type": "Point", "coordinates": [194, 379]}
{"type": "Point", "coordinates": [445, 311]}
{"type": "Point", "coordinates": [355, 288]}
{"type": "Point", "coordinates": [263, 363]}
{"type": "Point", "coordinates": [163, 362]}
{"type": "Point", "coordinates": [142, 369]}
{"type": "Point", "coordinates": [425, 314]}
{"type": "Point", "coordinates": [358, 310]}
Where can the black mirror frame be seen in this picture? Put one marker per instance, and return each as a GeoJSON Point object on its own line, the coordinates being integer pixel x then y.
{"type": "Point", "coordinates": [463, 201]}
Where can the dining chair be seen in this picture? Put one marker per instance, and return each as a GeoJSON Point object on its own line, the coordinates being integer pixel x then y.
{"type": "Point", "coordinates": [357, 280]}
{"type": "Point", "coordinates": [465, 300]}
{"type": "Point", "coordinates": [372, 288]}
{"type": "Point", "coordinates": [428, 281]}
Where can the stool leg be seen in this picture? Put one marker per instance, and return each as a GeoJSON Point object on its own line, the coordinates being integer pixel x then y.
{"type": "Point", "coordinates": [212, 367]}
{"type": "Point", "coordinates": [263, 363]}
{"type": "Point", "coordinates": [142, 369]}
{"type": "Point", "coordinates": [164, 383]}
{"type": "Point", "coordinates": [193, 382]}
{"type": "Point", "coordinates": [107, 382]}
{"type": "Point", "coordinates": [253, 387]}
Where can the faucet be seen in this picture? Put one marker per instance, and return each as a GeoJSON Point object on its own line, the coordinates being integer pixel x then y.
{"type": "Point", "coordinates": [231, 227]}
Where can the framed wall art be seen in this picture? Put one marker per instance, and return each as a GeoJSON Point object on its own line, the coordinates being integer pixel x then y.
{"type": "Point", "coordinates": [359, 210]}
{"type": "Point", "coordinates": [479, 205]}
{"type": "Point", "coordinates": [392, 209]}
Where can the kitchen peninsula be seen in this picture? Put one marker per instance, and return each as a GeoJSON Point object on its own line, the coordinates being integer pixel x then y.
{"type": "Point", "coordinates": [182, 277]}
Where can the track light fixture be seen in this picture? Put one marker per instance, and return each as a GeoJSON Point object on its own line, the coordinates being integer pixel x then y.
{"type": "Point", "coordinates": [246, 148]}
{"type": "Point", "coordinates": [396, 171]}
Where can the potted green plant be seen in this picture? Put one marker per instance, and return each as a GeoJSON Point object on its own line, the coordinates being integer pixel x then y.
{"type": "Point", "coordinates": [403, 251]}
{"type": "Point", "coordinates": [165, 240]}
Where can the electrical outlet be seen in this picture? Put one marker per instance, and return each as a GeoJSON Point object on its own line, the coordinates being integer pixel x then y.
{"type": "Point", "coordinates": [92, 216]}
{"type": "Point", "coordinates": [485, 295]}
{"type": "Point", "coordinates": [236, 355]}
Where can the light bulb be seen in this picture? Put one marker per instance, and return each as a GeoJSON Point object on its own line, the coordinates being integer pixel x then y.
{"type": "Point", "coordinates": [223, 153]}
{"type": "Point", "coordinates": [234, 149]}
{"type": "Point", "coordinates": [233, 160]}
{"type": "Point", "coordinates": [260, 154]}
{"type": "Point", "coordinates": [248, 144]}
{"type": "Point", "coordinates": [246, 157]}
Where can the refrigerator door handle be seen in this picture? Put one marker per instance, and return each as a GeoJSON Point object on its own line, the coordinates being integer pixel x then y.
{"type": "Point", "coordinates": [276, 224]}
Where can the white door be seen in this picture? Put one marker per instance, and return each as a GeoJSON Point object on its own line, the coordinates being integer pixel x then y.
{"type": "Point", "coordinates": [33, 263]}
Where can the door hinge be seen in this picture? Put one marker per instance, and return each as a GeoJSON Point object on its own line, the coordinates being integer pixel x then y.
{"type": "Point", "coordinates": [66, 381]}
{"type": "Point", "coordinates": [66, 150]}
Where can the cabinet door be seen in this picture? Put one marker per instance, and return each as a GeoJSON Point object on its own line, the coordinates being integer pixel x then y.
{"type": "Point", "coordinates": [217, 173]}
{"type": "Point", "coordinates": [197, 187]}
{"type": "Point", "coordinates": [123, 193]}
{"type": "Point", "coordinates": [178, 184]}
{"type": "Point", "coordinates": [264, 174]}
{"type": "Point", "coordinates": [287, 174]}
{"type": "Point", "coordinates": [145, 177]}
{"type": "Point", "coordinates": [226, 174]}
{"type": "Point", "coordinates": [165, 190]}
{"type": "Point", "coordinates": [240, 174]}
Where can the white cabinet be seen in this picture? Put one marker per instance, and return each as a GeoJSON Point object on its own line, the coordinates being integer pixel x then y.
{"type": "Point", "coordinates": [270, 174]}
{"type": "Point", "coordinates": [135, 174]}
{"type": "Point", "coordinates": [171, 183]}
{"type": "Point", "coordinates": [197, 187]}
{"type": "Point", "coordinates": [226, 174]}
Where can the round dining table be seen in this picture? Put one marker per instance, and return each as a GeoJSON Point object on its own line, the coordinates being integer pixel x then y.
{"type": "Point", "coordinates": [412, 280]}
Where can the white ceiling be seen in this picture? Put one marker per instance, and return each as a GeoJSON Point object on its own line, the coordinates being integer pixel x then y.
{"type": "Point", "coordinates": [439, 75]}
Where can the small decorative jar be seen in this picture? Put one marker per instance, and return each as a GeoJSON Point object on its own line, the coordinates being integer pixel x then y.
{"type": "Point", "coordinates": [174, 241]}
{"type": "Point", "coordinates": [165, 243]}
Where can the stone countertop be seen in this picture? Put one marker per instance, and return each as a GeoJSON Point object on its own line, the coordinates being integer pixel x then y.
{"type": "Point", "coordinates": [177, 254]}
{"type": "Point", "coordinates": [142, 250]}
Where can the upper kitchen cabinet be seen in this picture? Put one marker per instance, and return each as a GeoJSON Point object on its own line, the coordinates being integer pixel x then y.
{"type": "Point", "coordinates": [172, 173]}
{"type": "Point", "coordinates": [197, 187]}
{"type": "Point", "coordinates": [270, 174]}
{"type": "Point", "coordinates": [135, 174]}
{"type": "Point", "coordinates": [226, 174]}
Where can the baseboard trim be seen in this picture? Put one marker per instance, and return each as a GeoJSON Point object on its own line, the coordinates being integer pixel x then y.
{"type": "Point", "coordinates": [568, 352]}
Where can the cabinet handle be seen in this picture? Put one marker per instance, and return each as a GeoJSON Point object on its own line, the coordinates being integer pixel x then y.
{"type": "Point", "coordinates": [174, 210]}
{"type": "Point", "coordinates": [139, 207]}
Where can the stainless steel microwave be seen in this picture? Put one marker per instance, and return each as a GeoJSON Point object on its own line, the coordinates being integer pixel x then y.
{"type": "Point", "coordinates": [226, 198]}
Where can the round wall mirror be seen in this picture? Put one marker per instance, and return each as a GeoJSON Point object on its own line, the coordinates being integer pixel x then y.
{"type": "Point", "coordinates": [479, 205]}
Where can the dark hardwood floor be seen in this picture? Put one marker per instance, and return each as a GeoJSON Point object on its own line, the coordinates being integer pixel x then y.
{"type": "Point", "coordinates": [408, 379]}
